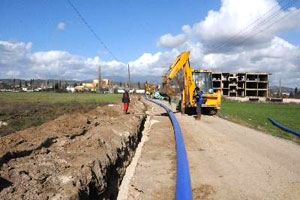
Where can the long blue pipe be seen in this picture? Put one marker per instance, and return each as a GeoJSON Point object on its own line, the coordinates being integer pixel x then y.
{"type": "Point", "coordinates": [183, 181]}
{"type": "Point", "coordinates": [284, 127]}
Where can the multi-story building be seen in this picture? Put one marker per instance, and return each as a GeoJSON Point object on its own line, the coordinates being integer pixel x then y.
{"type": "Point", "coordinates": [250, 84]}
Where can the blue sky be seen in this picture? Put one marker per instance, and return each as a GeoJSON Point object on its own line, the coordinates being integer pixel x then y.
{"type": "Point", "coordinates": [128, 27]}
{"type": "Point", "coordinates": [148, 34]}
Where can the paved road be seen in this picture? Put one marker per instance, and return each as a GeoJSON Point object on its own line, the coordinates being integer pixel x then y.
{"type": "Point", "coordinates": [227, 161]}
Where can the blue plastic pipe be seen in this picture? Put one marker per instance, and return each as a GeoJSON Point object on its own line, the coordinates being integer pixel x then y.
{"type": "Point", "coordinates": [183, 181]}
{"type": "Point", "coordinates": [284, 127]}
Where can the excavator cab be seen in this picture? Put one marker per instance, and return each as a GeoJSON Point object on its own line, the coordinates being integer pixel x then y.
{"type": "Point", "coordinates": [203, 80]}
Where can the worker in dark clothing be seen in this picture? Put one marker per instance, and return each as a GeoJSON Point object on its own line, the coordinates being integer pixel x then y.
{"type": "Point", "coordinates": [198, 99]}
{"type": "Point", "coordinates": [126, 101]}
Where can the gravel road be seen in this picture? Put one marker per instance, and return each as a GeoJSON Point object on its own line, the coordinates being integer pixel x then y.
{"type": "Point", "coordinates": [230, 161]}
{"type": "Point", "coordinates": [227, 161]}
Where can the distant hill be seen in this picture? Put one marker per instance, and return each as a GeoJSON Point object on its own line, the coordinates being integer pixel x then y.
{"type": "Point", "coordinates": [115, 79]}
{"type": "Point", "coordinates": [135, 79]}
{"type": "Point", "coordinates": [283, 89]}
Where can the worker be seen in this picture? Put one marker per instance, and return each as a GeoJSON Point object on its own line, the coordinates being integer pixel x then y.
{"type": "Point", "coordinates": [198, 100]}
{"type": "Point", "coordinates": [125, 101]}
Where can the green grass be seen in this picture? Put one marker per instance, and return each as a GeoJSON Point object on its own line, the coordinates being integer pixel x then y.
{"type": "Point", "coordinates": [24, 110]}
{"type": "Point", "coordinates": [51, 97]}
{"type": "Point", "coordinates": [255, 115]}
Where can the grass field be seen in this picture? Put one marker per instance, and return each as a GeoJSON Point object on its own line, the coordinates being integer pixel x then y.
{"type": "Point", "coordinates": [255, 115]}
{"type": "Point", "coordinates": [25, 110]}
{"type": "Point", "coordinates": [51, 97]}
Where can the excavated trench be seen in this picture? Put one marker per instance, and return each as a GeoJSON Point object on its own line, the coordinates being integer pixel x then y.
{"type": "Point", "coordinates": [113, 175]}
{"type": "Point", "coordinates": [116, 172]}
{"type": "Point", "coordinates": [78, 156]}
{"type": "Point", "coordinates": [125, 184]}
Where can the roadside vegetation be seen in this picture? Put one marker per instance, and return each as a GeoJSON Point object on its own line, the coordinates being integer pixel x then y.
{"type": "Point", "coordinates": [255, 115]}
{"type": "Point", "coordinates": [25, 110]}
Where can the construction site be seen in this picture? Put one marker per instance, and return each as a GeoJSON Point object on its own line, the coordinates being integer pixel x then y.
{"type": "Point", "coordinates": [118, 102]}
{"type": "Point", "coordinates": [154, 151]}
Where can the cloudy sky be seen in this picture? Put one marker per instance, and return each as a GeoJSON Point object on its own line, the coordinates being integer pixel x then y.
{"type": "Point", "coordinates": [47, 39]}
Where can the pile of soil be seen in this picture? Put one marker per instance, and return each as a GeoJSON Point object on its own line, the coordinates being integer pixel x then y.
{"type": "Point", "coordinates": [73, 157]}
{"type": "Point", "coordinates": [19, 116]}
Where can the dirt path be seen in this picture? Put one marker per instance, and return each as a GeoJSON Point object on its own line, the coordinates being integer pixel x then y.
{"type": "Point", "coordinates": [155, 174]}
{"type": "Point", "coordinates": [229, 161]}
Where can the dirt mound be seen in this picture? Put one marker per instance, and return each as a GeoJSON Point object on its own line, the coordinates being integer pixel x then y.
{"type": "Point", "coordinates": [19, 116]}
{"type": "Point", "coordinates": [75, 156]}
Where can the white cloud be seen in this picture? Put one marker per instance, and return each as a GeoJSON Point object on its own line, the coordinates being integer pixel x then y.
{"type": "Point", "coordinates": [16, 59]}
{"type": "Point", "coordinates": [12, 74]}
{"type": "Point", "coordinates": [252, 22]}
{"type": "Point", "coordinates": [170, 41]}
{"type": "Point", "coordinates": [61, 26]}
{"type": "Point", "coordinates": [224, 41]}
{"type": "Point", "coordinates": [265, 52]}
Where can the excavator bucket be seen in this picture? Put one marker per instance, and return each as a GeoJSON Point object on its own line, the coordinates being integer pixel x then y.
{"type": "Point", "coordinates": [167, 87]}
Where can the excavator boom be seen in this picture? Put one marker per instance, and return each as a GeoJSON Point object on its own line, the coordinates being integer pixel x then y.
{"type": "Point", "coordinates": [177, 65]}
{"type": "Point", "coordinates": [213, 100]}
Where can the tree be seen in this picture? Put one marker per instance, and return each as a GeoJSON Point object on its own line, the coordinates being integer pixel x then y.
{"type": "Point", "coordinates": [120, 84]}
{"type": "Point", "coordinates": [20, 84]}
{"type": "Point", "coordinates": [26, 84]}
{"type": "Point", "coordinates": [139, 85]}
{"type": "Point", "coordinates": [278, 92]}
{"type": "Point", "coordinates": [56, 87]}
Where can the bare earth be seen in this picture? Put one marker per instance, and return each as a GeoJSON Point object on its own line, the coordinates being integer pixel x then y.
{"type": "Point", "coordinates": [77, 156]}
{"type": "Point", "coordinates": [81, 156]}
{"type": "Point", "coordinates": [155, 173]}
{"type": "Point", "coordinates": [227, 161]}
{"type": "Point", "coordinates": [230, 161]}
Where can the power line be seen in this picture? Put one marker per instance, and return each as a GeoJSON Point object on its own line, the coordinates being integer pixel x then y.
{"type": "Point", "coordinates": [246, 32]}
{"type": "Point", "coordinates": [215, 46]}
{"type": "Point", "coordinates": [92, 30]}
{"type": "Point", "coordinates": [285, 16]}
{"type": "Point", "coordinates": [255, 25]}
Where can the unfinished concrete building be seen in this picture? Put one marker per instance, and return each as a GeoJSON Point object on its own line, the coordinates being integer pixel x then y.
{"type": "Point", "coordinates": [248, 84]}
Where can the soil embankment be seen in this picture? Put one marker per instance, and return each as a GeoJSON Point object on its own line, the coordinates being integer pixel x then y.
{"type": "Point", "coordinates": [77, 156]}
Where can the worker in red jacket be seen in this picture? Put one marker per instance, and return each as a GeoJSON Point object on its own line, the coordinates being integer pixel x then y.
{"type": "Point", "coordinates": [126, 101]}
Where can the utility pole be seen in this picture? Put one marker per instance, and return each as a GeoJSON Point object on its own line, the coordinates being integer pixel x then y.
{"type": "Point", "coordinates": [99, 79]}
{"type": "Point", "coordinates": [280, 93]}
{"type": "Point", "coordinates": [128, 76]}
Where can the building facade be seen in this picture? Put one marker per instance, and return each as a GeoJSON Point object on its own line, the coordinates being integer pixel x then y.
{"type": "Point", "coordinates": [248, 84]}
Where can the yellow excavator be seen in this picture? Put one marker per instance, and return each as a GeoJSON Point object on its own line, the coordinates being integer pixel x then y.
{"type": "Point", "coordinates": [191, 78]}
{"type": "Point", "coordinates": [150, 88]}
